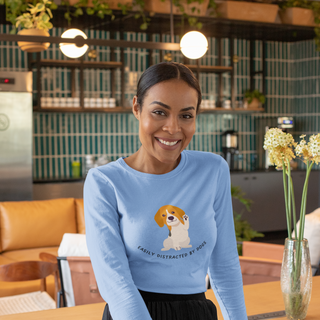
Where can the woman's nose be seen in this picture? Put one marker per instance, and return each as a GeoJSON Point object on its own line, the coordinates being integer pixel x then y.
{"type": "Point", "coordinates": [172, 125]}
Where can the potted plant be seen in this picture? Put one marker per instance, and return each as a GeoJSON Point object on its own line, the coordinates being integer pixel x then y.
{"type": "Point", "coordinates": [297, 12]}
{"type": "Point", "coordinates": [35, 22]}
{"type": "Point", "coordinates": [303, 13]}
{"type": "Point", "coordinates": [248, 11]}
{"type": "Point", "coordinates": [254, 99]}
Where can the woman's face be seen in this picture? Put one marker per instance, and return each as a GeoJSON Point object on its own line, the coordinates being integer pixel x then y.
{"type": "Point", "coordinates": [167, 121]}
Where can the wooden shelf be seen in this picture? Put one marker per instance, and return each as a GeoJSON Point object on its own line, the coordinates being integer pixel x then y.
{"type": "Point", "coordinates": [213, 69]}
{"type": "Point", "coordinates": [77, 64]}
{"type": "Point", "coordinates": [232, 110]}
{"type": "Point", "coordinates": [80, 109]}
{"type": "Point", "coordinates": [129, 110]}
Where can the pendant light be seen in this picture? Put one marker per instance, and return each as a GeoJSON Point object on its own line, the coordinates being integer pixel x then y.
{"type": "Point", "coordinates": [72, 50]}
{"type": "Point", "coordinates": [194, 45]}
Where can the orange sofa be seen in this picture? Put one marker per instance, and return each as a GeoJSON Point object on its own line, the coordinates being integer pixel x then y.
{"type": "Point", "coordinates": [28, 228]}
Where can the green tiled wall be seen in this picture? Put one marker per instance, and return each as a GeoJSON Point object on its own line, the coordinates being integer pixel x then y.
{"type": "Point", "coordinates": [292, 86]}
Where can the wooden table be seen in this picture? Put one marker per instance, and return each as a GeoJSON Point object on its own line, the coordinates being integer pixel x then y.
{"type": "Point", "coordinates": [260, 298]}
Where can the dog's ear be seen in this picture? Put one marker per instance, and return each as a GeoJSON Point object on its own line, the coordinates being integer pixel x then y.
{"type": "Point", "coordinates": [180, 213]}
{"type": "Point", "coordinates": [159, 217]}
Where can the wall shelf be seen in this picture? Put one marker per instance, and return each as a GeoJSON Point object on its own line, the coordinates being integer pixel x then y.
{"type": "Point", "coordinates": [129, 110]}
{"type": "Point", "coordinates": [232, 110]}
{"type": "Point", "coordinates": [77, 64]}
{"type": "Point", "coordinates": [213, 69]}
{"type": "Point", "coordinates": [85, 110]}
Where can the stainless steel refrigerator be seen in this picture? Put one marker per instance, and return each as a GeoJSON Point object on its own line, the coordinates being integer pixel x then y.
{"type": "Point", "coordinates": [15, 136]}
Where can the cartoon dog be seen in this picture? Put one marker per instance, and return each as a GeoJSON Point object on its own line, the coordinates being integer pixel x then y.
{"type": "Point", "coordinates": [178, 225]}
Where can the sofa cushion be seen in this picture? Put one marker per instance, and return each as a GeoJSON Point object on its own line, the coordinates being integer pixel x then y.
{"type": "Point", "coordinates": [34, 224]}
{"type": "Point", "coordinates": [19, 287]}
{"type": "Point", "coordinates": [81, 228]}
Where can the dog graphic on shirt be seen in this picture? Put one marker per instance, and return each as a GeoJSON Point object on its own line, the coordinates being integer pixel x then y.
{"type": "Point", "coordinates": [178, 224]}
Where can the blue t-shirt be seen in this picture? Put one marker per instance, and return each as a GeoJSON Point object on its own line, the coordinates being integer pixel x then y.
{"type": "Point", "coordinates": [163, 233]}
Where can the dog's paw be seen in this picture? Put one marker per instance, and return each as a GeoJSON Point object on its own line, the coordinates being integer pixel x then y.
{"type": "Point", "coordinates": [177, 248]}
{"type": "Point", "coordinates": [185, 217]}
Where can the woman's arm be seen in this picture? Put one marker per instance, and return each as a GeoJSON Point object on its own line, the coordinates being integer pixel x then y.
{"type": "Point", "coordinates": [107, 250]}
{"type": "Point", "coordinates": [224, 268]}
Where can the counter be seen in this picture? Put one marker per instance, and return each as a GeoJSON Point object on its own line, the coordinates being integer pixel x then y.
{"type": "Point", "coordinates": [264, 188]}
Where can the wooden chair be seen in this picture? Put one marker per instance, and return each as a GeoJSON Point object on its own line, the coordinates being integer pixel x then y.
{"type": "Point", "coordinates": [25, 271]}
{"type": "Point", "coordinates": [48, 257]}
{"type": "Point", "coordinates": [260, 262]}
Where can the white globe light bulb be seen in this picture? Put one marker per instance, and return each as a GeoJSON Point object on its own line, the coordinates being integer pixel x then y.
{"type": "Point", "coordinates": [71, 50]}
{"type": "Point", "coordinates": [194, 45]}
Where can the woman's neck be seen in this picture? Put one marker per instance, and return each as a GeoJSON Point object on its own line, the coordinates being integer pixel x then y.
{"type": "Point", "coordinates": [142, 162]}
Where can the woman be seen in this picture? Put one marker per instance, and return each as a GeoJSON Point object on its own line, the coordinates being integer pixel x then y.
{"type": "Point", "coordinates": [158, 220]}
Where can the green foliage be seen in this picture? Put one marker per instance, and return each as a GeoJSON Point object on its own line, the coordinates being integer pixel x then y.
{"type": "Point", "coordinates": [243, 229]}
{"type": "Point", "coordinates": [37, 18]}
{"type": "Point", "coordinates": [16, 8]}
{"type": "Point", "coordinates": [250, 95]}
{"type": "Point", "coordinates": [101, 9]}
{"type": "Point", "coordinates": [311, 5]}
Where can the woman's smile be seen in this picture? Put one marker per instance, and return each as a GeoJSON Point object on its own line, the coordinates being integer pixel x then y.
{"type": "Point", "coordinates": [168, 144]}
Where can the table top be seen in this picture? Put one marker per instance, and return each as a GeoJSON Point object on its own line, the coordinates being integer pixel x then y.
{"type": "Point", "coordinates": [259, 298]}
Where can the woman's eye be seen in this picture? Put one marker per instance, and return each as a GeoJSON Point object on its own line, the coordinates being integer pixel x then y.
{"type": "Point", "coordinates": [187, 116]}
{"type": "Point", "coordinates": [159, 112]}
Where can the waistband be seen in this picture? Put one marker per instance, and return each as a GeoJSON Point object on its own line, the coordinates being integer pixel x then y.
{"type": "Point", "coordinates": [162, 297]}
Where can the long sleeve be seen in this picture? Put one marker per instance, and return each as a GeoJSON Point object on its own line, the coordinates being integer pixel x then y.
{"type": "Point", "coordinates": [107, 250]}
{"type": "Point", "coordinates": [224, 266]}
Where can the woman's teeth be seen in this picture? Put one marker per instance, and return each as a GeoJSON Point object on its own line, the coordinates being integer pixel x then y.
{"type": "Point", "coordinates": [168, 143]}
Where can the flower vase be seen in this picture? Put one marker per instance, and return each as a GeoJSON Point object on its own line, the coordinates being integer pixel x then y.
{"type": "Point", "coordinates": [296, 278]}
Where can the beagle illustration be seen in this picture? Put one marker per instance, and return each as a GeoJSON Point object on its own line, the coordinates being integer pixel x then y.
{"type": "Point", "coordinates": [178, 224]}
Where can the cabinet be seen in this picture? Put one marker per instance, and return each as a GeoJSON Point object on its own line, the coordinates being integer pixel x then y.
{"type": "Point", "coordinates": [265, 189]}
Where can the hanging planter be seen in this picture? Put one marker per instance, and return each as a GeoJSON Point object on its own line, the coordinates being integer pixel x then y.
{"type": "Point", "coordinates": [248, 11]}
{"type": "Point", "coordinates": [35, 23]}
{"type": "Point", "coordinates": [297, 16]}
{"type": "Point", "coordinates": [33, 46]}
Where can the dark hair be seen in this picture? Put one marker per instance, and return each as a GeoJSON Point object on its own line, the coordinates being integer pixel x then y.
{"type": "Point", "coordinates": [166, 71]}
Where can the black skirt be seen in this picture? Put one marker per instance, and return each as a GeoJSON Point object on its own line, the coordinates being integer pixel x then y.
{"type": "Point", "coordinates": [175, 307]}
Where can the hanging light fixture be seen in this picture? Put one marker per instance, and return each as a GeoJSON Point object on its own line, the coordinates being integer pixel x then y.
{"type": "Point", "coordinates": [194, 45]}
{"type": "Point", "coordinates": [72, 50]}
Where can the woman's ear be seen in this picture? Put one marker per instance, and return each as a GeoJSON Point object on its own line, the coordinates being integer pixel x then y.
{"type": "Point", "coordinates": [136, 107]}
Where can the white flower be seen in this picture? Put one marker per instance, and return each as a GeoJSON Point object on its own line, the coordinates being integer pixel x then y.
{"type": "Point", "coordinates": [279, 144]}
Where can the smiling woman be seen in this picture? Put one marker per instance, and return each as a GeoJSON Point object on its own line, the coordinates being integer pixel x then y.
{"type": "Point", "coordinates": [167, 123]}
{"type": "Point", "coordinates": [164, 198]}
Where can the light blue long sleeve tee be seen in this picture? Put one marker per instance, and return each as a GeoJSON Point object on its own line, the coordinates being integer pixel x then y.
{"type": "Point", "coordinates": [163, 233]}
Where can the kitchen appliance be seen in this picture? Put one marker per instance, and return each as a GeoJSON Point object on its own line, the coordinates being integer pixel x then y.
{"type": "Point", "coordinates": [230, 148]}
{"type": "Point", "coordinates": [15, 136]}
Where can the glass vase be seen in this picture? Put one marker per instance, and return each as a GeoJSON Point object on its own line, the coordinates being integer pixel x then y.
{"type": "Point", "coordinates": [296, 278]}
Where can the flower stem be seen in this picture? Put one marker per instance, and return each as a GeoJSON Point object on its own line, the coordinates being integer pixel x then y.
{"type": "Point", "coordinates": [302, 222]}
{"type": "Point", "coordinates": [293, 210]}
{"type": "Point", "coordinates": [289, 196]}
{"type": "Point", "coordinates": [284, 171]}
{"type": "Point", "coordinates": [304, 201]}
